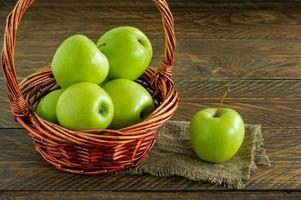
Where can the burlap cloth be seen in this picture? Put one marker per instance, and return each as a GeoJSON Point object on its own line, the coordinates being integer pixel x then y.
{"type": "Point", "coordinates": [173, 155]}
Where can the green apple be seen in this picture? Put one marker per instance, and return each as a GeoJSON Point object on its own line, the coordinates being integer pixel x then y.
{"type": "Point", "coordinates": [78, 60]}
{"type": "Point", "coordinates": [132, 102]}
{"type": "Point", "coordinates": [128, 50]}
{"type": "Point", "coordinates": [216, 138]}
{"type": "Point", "coordinates": [84, 106]}
{"type": "Point", "coordinates": [46, 108]}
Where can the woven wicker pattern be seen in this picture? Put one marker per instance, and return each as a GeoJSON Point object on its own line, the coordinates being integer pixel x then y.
{"type": "Point", "coordinates": [90, 151]}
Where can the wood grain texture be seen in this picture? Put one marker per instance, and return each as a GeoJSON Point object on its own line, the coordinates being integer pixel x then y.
{"type": "Point", "coordinates": [22, 169]}
{"type": "Point", "coordinates": [268, 113]}
{"type": "Point", "coordinates": [251, 46]}
{"type": "Point", "coordinates": [179, 3]}
{"type": "Point", "coordinates": [268, 102]}
{"type": "Point", "coordinates": [199, 56]}
{"type": "Point", "coordinates": [214, 23]}
{"type": "Point", "coordinates": [93, 195]}
{"type": "Point", "coordinates": [210, 20]}
{"type": "Point", "coordinates": [196, 59]}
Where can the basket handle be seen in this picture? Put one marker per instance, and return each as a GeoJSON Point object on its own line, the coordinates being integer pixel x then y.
{"type": "Point", "coordinates": [18, 104]}
{"type": "Point", "coordinates": [170, 37]}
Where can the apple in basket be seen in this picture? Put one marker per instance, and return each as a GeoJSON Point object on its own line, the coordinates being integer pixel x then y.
{"type": "Point", "coordinates": [216, 134]}
{"type": "Point", "coordinates": [128, 50]}
{"type": "Point", "coordinates": [47, 106]}
{"type": "Point", "coordinates": [84, 106]}
{"type": "Point", "coordinates": [78, 60]}
{"type": "Point", "coordinates": [132, 102]}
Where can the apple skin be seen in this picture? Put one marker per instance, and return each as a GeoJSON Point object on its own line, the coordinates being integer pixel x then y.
{"type": "Point", "coordinates": [46, 108]}
{"type": "Point", "coordinates": [128, 50]}
{"type": "Point", "coordinates": [84, 106]}
{"type": "Point", "coordinates": [78, 60]}
{"type": "Point", "coordinates": [216, 139]}
{"type": "Point", "coordinates": [132, 102]}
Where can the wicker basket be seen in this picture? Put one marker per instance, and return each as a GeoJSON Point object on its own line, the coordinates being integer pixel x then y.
{"type": "Point", "coordinates": [91, 151]}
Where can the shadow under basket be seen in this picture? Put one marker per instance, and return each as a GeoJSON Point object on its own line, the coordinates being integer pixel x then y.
{"type": "Point", "coordinates": [90, 151]}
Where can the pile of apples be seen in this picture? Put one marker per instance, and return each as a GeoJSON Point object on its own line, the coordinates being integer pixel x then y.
{"type": "Point", "coordinates": [98, 91]}
{"type": "Point", "coordinates": [97, 81]}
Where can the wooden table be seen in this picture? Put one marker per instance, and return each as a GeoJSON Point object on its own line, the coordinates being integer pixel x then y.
{"type": "Point", "coordinates": [254, 47]}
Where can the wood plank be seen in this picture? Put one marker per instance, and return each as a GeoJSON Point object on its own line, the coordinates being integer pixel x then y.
{"type": "Point", "coordinates": [179, 3]}
{"type": "Point", "coordinates": [239, 89]}
{"type": "Point", "coordinates": [22, 169]}
{"type": "Point", "coordinates": [93, 195]}
{"type": "Point", "coordinates": [270, 20]}
{"type": "Point", "coordinates": [197, 59]}
{"type": "Point", "coordinates": [269, 102]}
{"type": "Point", "coordinates": [268, 113]}
{"type": "Point", "coordinates": [212, 4]}
{"type": "Point", "coordinates": [197, 20]}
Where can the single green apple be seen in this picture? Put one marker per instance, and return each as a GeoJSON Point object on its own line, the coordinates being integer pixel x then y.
{"type": "Point", "coordinates": [132, 102]}
{"type": "Point", "coordinates": [84, 106]}
{"type": "Point", "coordinates": [128, 50]}
{"type": "Point", "coordinates": [46, 108]}
{"type": "Point", "coordinates": [79, 60]}
{"type": "Point", "coordinates": [216, 138]}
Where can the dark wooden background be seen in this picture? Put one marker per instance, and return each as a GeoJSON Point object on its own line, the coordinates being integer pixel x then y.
{"type": "Point", "coordinates": [253, 47]}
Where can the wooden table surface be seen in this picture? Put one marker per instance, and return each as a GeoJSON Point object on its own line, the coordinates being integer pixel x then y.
{"type": "Point", "coordinates": [254, 47]}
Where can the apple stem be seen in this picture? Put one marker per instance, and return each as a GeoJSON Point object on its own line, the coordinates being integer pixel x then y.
{"type": "Point", "coordinates": [101, 111]}
{"type": "Point", "coordinates": [218, 113]}
{"type": "Point", "coordinates": [101, 45]}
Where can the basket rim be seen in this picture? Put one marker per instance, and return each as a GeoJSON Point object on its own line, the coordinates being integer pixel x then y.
{"type": "Point", "coordinates": [142, 129]}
